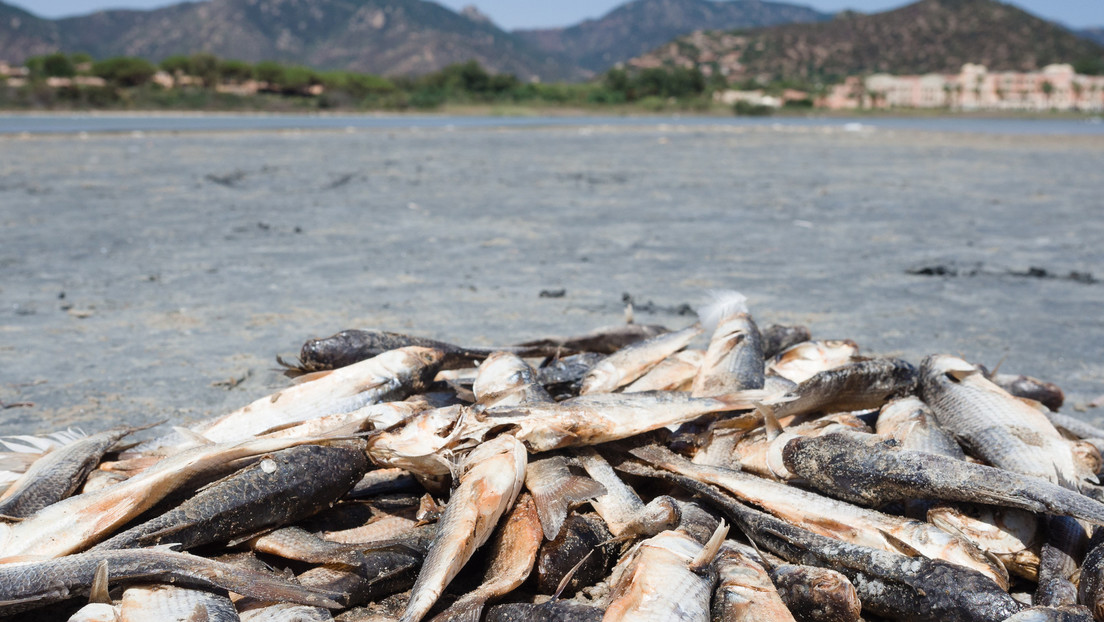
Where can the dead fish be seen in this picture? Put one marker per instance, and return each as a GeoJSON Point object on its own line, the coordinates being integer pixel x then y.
{"type": "Point", "coordinates": [734, 359]}
{"type": "Point", "coordinates": [745, 592]}
{"type": "Point", "coordinates": [96, 612]}
{"type": "Point", "coordinates": [778, 337]}
{"type": "Point", "coordinates": [585, 547]}
{"type": "Point", "coordinates": [286, 612]}
{"type": "Point", "coordinates": [384, 572]}
{"type": "Point", "coordinates": [512, 556]}
{"type": "Point", "coordinates": [416, 445]}
{"type": "Point", "coordinates": [867, 470]}
{"type": "Point", "coordinates": [550, 611]}
{"type": "Point", "coordinates": [299, 544]}
{"type": "Point", "coordinates": [830, 517]}
{"type": "Point", "coordinates": [996, 426]}
{"type": "Point", "coordinates": [600, 418]}
{"type": "Point", "coordinates": [1046, 393]}
{"type": "Point", "coordinates": [602, 340]}
{"type": "Point", "coordinates": [806, 359]}
{"type": "Point", "coordinates": [281, 488]}
{"type": "Point", "coordinates": [666, 577]}
{"type": "Point", "coordinates": [58, 473]}
{"type": "Point", "coordinates": [555, 490]}
{"type": "Point", "coordinates": [1052, 614]}
{"type": "Point", "coordinates": [506, 380]}
{"type": "Point", "coordinates": [1077, 428]}
{"type": "Point", "coordinates": [854, 386]}
{"type": "Point", "coordinates": [1090, 589]}
{"type": "Point", "coordinates": [78, 522]}
{"type": "Point", "coordinates": [633, 361]}
{"type": "Point", "coordinates": [912, 424]}
{"type": "Point", "coordinates": [390, 376]}
{"type": "Point", "coordinates": [1058, 562]}
{"type": "Point", "coordinates": [1009, 534]}
{"type": "Point", "coordinates": [170, 603]}
{"type": "Point", "coordinates": [624, 512]}
{"type": "Point", "coordinates": [490, 480]}
{"type": "Point", "coordinates": [27, 585]}
{"type": "Point", "coordinates": [562, 377]}
{"type": "Point", "coordinates": [816, 594]}
{"type": "Point", "coordinates": [674, 373]}
{"type": "Point", "coordinates": [889, 584]}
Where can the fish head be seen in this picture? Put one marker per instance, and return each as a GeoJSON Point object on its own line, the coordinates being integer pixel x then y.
{"type": "Point", "coordinates": [951, 367]}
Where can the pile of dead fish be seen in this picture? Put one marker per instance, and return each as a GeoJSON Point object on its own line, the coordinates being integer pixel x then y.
{"type": "Point", "coordinates": [619, 475]}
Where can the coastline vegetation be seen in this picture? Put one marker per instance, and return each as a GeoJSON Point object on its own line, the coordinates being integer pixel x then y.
{"type": "Point", "coordinates": [204, 82]}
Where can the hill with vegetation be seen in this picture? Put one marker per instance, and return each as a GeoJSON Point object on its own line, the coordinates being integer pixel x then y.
{"type": "Point", "coordinates": [1093, 34]}
{"type": "Point", "coordinates": [927, 36]}
{"type": "Point", "coordinates": [389, 37]}
{"type": "Point", "coordinates": [635, 27]}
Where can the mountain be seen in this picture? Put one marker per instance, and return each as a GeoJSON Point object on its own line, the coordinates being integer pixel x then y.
{"type": "Point", "coordinates": [390, 37]}
{"type": "Point", "coordinates": [927, 36]}
{"type": "Point", "coordinates": [1093, 34]}
{"type": "Point", "coordinates": [641, 25]}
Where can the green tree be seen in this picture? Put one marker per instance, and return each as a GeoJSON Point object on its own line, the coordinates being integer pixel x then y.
{"type": "Point", "coordinates": [234, 70]}
{"type": "Point", "coordinates": [205, 67]}
{"type": "Point", "coordinates": [124, 71]}
{"type": "Point", "coordinates": [270, 72]}
{"type": "Point", "coordinates": [58, 65]}
{"type": "Point", "coordinates": [177, 65]}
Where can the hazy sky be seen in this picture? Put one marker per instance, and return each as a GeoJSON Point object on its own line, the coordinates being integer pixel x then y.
{"type": "Point", "coordinates": [511, 14]}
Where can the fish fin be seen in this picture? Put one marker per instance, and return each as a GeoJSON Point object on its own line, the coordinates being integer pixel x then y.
{"type": "Point", "coordinates": [99, 591]}
{"type": "Point", "coordinates": [722, 304]}
{"type": "Point", "coordinates": [314, 375]}
{"type": "Point", "coordinates": [747, 399]}
{"type": "Point", "coordinates": [12, 519]}
{"type": "Point", "coordinates": [770, 422]}
{"type": "Point", "coordinates": [658, 455]}
{"type": "Point", "coordinates": [193, 436]}
{"type": "Point", "coordinates": [553, 504]}
{"type": "Point", "coordinates": [902, 547]}
{"type": "Point", "coordinates": [705, 558]}
{"type": "Point", "coordinates": [255, 534]}
{"type": "Point", "coordinates": [570, 574]}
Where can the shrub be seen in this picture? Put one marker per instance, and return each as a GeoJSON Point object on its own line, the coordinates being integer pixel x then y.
{"type": "Point", "coordinates": [124, 71]}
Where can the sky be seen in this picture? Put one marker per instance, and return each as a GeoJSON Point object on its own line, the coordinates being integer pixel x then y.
{"type": "Point", "coordinates": [510, 14]}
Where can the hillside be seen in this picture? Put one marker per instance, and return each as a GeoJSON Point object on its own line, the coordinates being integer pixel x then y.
{"type": "Point", "coordinates": [1093, 34]}
{"type": "Point", "coordinates": [928, 36]}
{"type": "Point", "coordinates": [391, 37]}
{"type": "Point", "coordinates": [641, 25]}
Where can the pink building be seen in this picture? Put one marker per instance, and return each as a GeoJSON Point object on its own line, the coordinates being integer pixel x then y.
{"type": "Point", "coordinates": [1056, 87]}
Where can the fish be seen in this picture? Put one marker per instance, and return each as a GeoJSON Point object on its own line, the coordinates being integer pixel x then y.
{"type": "Point", "coordinates": [96, 612]}
{"type": "Point", "coordinates": [555, 490]}
{"type": "Point", "coordinates": [868, 470]}
{"type": "Point", "coordinates": [301, 545]}
{"type": "Point", "coordinates": [779, 337]}
{"type": "Point", "coordinates": [606, 340]}
{"type": "Point", "coordinates": [833, 518]}
{"type": "Point", "coordinates": [416, 445]}
{"type": "Point", "coordinates": [512, 556]}
{"type": "Point", "coordinates": [562, 377]}
{"type": "Point", "coordinates": [806, 359]}
{"type": "Point", "coordinates": [890, 585]}
{"type": "Point", "coordinates": [78, 522]}
{"type": "Point", "coordinates": [584, 548]}
{"type": "Point", "coordinates": [912, 424]}
{"type": "Point", "coordinates": [745, 592]}
{"type": "Point", "coordinates": [281, 488]}
{"type": "Point", "coordinates": [734, 359]}
{"type": "Point", "coordinates": [1052, 614]}
{"type": "Point", "coordinates": [392, 375]}
{"type": "Point", "coordinates": [1011, 535]}
{"type": "Point", "coordinates": [549, 611]}
{"type": "Point", "coordinates": [26, 585]}
{"type": "Point", "coordinates": [816, 594]}
{"type": "Point", "coordinates": [1090, 588]}
{"type": "Point", "coordinates": [674, 373]}
{"type": "Point", "coordinates": [286, 612]}
{"type": "Point", "coordinates": [633, 361]}
{"type": "Point", "coordinates": [169, 603]}
{"type": "Point", "coordinates": [854, 386]}
{"type": "Point", "coordinates": [490, 480]}
{"type": "Point", "coordinates": [506, 380]}
{"type": "Point", "coordinates": [600, 418]}
{"type": "Point", "coordinates": [1046, 393]}
{"type": "Point", "coordinates": [1058, 561]}
{"type": "Point", "coordinates": [624, 512]}
{"type": "Point", "coordinates": [58, 473]}
{"type": "Point", "coordinates": [666, 577]}
{"type": "Point", "coordinates": [997, 427]}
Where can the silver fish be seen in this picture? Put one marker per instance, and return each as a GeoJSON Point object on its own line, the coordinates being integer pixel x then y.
{"type": "Point", "coordinates": [631, 362]}
{"type": "Point", "coordinates": [734, 360]}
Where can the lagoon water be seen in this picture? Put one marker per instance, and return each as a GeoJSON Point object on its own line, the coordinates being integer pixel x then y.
{"type": "Point", "coordinates": [183, 122]}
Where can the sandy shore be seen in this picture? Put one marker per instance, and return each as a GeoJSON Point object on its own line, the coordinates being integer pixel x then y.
{"type": "Point", "coordinates": [157, 276]}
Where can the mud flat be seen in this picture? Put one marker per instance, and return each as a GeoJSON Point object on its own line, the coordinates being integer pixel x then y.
{"type": "Point", "coordinates": [156, 276]}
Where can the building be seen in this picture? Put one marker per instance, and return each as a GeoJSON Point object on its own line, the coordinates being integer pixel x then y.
{"type": "Point", "coordinates": [1056, 87]}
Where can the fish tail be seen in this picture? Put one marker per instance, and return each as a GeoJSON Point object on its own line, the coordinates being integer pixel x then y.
{"type": "Point", "coordinates": [722, 304]}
